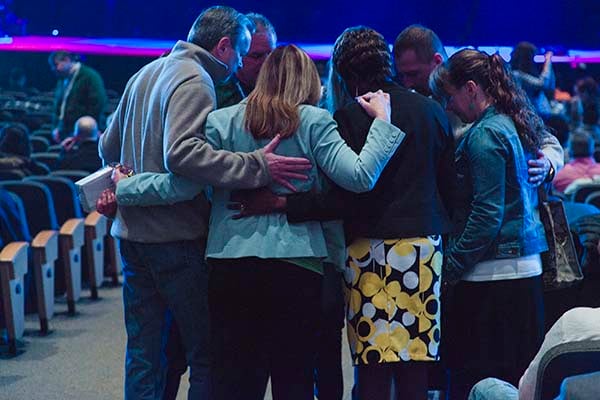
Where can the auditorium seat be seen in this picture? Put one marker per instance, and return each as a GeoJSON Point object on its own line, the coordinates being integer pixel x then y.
{"type": "Point", "coordinates": [67, 206]}
{"type": "Point", "coordinates": [35, 119]}
{"type": "Point", "coordinates": [54, 148]}
{"type": "Point", "coordinates": [583, 191]}
{"type": "Point", "coordinates": [13, 267]}
{"type": "Point", "coordinates": [50, 160]}
{"type": "Point", "coordinates": [73, 174]}
{"type": "Point", "coordinates": [12, 174]}
{"type": "Point", "coordinates": [565, 360]}
{"type": "Point", "coordinates": [594, 199]}
{"type": "Point", "coordinates": [112, 257]}
{"type": "Point", "coordinates": [39, 144]}
{"type": "Point", "coordinates": [45, 133]}
{"type": "Point", "coordinates": [44, 253]}
{"type": "Point", "coordinates": [64, 195]}
{"type": "Point", "coordinates": [95, 231]}
{"type": "Point", "coordinates": [41, 215]}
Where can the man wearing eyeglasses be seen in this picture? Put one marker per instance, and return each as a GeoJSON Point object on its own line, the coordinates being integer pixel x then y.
{"type": "Point", "coordinates": [239, 85]}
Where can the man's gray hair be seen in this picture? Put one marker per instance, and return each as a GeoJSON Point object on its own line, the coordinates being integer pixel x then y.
{"type": "Point", "coordinates": [217, 22]}
{"type": "Point", "coordinates": [262, 24]}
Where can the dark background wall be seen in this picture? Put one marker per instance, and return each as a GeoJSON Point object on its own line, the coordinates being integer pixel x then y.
{"type": "Point", "coordinates": [115, 70]}
{"type": "Point", "coordinates": [478, 22]}
{"type": "Point", "coordinates": [551, 24]}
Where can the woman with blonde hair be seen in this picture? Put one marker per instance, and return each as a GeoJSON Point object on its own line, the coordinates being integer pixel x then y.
{"type": "Point", "coordinates": [394, 232]}
{"type": "Point", "coordinates": [265, 280]}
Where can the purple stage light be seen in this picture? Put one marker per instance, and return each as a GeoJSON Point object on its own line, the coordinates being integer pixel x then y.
{"type": "Point", "coordinates": [156, 47]}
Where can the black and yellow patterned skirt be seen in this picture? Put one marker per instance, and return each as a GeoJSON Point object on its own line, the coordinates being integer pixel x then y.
{"type": "Point", "coordinates": [393, 299]}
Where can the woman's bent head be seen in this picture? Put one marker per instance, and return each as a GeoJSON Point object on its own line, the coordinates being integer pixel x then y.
{"type": "Point", "coordinates": [469, 73]}
{"type": "Point", "coordinates": [361, 62]}
{"type": "Point", "coordinates": [287, 79]}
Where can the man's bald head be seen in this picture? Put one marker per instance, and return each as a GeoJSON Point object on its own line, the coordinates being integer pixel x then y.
{"type": "Point", "coordinates": [86, 128]}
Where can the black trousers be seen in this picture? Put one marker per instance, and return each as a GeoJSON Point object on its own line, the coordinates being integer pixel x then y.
{"type": "Point", "coordinates": [264, 316]}
{"type": "Point", "coordinates": [328, 370]}
{"type": "Point", "coordinates": [495, 330]}
{"type": "Point", "coordinates": [397, 380]}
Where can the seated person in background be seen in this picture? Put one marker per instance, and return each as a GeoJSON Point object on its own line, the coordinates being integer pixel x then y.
{"type": "Point", "coordinates": [585, 91]}
{"type": "Point", "coordinates": [575, 325]}
{"type": "Point", "coordinates": [582, 167]}
{"type": "Point", "coordinates": [15, 150]}
{"type": "Point", "coordinates": [81, 150]}
{"type": "Point", "coordinates": [590, 114]}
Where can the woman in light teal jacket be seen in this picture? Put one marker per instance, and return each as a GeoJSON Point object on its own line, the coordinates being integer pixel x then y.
{"type": "Point", "coordinates": [264, 290]}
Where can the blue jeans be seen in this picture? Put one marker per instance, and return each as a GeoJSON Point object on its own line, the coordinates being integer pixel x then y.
{"type": "Point", "coordinates": [493, 389]}
{"type": "Point", "coordinates": [159, 277]}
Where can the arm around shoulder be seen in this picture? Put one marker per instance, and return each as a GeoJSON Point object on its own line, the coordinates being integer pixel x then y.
{"type": "Point", "coordinates": [151, 189]}
{"type": "Point", "coordinates": [356, 173]}
{"type": "Point", "coordinates": [553, 150]}
{"type": "Point", "coordinates": [189, 155]}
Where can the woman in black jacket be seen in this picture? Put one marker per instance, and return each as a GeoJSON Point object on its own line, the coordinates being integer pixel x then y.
{"type": "Point", "coordinates": [394, 263]}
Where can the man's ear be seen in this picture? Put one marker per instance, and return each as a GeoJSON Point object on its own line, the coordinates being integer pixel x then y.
{"type": "Point", "coordinates": [222, 45]}
{"type": "Point", "coordinates": [438, 59]}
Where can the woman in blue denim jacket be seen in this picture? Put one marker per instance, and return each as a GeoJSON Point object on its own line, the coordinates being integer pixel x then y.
{"type": "Point", "coordinates": [496, 311]}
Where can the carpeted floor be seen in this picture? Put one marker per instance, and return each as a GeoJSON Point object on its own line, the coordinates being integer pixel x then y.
{"type": "Point", "coordinates": [83, 358]}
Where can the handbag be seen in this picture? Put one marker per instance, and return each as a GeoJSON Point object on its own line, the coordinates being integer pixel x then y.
{"type": "Point", "coordinates": [561, 268]}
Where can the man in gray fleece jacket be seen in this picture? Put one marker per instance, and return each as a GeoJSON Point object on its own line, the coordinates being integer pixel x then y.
{"type": "Point", "coordinates": [158, 128]}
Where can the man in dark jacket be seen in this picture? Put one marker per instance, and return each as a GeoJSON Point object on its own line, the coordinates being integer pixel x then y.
{"type": "Point", "coordinates": [418, 51]}
{"type": "Point", "coordinates": [79, 91]}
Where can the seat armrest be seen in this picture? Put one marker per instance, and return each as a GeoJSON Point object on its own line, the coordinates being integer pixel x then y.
{"type": "Point", "coordinates": [74, 227]}
{"type": "Point", "coordinates": [45, 244]}
{"type": "Point", "coordinates": [96, 222]}
{"type": "Point", "coordinates": [15, 254]}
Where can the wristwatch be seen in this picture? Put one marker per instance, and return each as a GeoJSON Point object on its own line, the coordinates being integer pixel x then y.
{"type": "Point", "coordinates": [551, 173]}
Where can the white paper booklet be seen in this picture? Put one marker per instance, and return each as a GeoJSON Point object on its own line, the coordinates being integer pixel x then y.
{"type": "Point", "coordinates": [90, 187]}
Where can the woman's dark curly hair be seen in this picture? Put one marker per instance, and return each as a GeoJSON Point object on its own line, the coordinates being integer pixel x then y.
{"type": "Point", "coordinates": [362, 58]}
{"type": "Point", "coordinates": [361, 62]}
{"type": "Point", "coordinates": [494, 77]}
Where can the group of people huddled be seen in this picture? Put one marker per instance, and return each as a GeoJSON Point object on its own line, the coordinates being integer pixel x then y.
{"type": "Point", "coordinates": [247, 232]}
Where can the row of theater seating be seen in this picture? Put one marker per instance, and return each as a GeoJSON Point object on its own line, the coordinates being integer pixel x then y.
{"type": "Point", "coordinates": [36, 110]}
{"type": "Point", "coordinates": [587, 193]}
{"type": "Point", "coordinates": [53, 235]}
